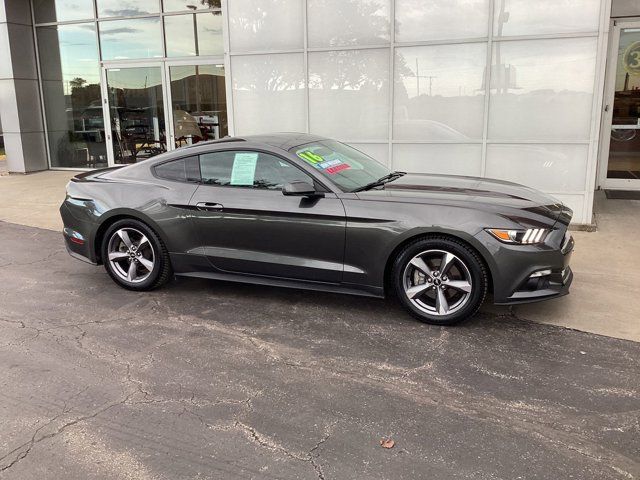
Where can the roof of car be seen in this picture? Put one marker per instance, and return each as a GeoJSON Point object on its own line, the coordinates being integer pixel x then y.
{"type": "Point", "coordinates": [284, 140]}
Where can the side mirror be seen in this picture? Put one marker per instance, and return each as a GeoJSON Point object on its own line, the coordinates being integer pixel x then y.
{"type": "Point", "coordinates": [301, 189]}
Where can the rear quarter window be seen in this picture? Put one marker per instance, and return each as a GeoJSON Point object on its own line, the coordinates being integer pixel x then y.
{"type": "Point", "coordinates": [182, 170]}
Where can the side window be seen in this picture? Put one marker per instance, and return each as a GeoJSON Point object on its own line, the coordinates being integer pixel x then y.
{"type": "Point", "coordinates": [183, 170]}
{"type": "Point", "coordinates": [249, 170]}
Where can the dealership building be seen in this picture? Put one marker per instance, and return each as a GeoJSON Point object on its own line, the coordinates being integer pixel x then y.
{"type": "Point", "coordinates": [544, 93]}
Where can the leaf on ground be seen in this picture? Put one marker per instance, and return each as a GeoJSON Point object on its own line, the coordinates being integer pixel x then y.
{"type": "Point", "coordinates": [387, 443]}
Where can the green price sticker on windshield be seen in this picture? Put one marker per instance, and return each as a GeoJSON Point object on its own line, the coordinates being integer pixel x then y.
{"type": "Point", "coordinates": [311, 157]}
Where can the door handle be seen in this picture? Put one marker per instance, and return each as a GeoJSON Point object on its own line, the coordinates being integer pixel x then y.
{"type": "Point", "coordinates": [209, 206]}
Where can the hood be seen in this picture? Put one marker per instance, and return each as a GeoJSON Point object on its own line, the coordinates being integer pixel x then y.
{"type": "Point", "coordinates": [453, 189]}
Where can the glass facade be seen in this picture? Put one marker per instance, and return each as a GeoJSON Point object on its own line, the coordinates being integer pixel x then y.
{"type": "Point", "coordinates": [496, 88]}
{"type": "Point", "coordinates": [112, 63]}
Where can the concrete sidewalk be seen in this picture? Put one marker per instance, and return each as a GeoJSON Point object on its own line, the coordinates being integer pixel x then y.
{"type": "Point", "coordinates": [605, 296]}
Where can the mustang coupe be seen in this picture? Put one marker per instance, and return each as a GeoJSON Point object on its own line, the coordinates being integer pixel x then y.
{"type": "Point", "coordinates": [303, 211]}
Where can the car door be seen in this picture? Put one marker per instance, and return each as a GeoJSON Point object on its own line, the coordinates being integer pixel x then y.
{"type": "Point", "coordinates": [248, 226]}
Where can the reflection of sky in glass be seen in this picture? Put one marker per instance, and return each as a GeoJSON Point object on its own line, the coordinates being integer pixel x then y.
{"type": "Point", "coordinates": [348, 22]}
{"type": "Point", "coordinates": [527, 17]}
{"type": "Point", "coordinates": [180, 33]}
{"type": "Point", "coordinates": [444, 70]}
{"type": "Point", "coordinates": [210, 34]}
{"type": "Point", "coordinates": [180, 72]}
{"type": "Point", "coordinates": [78, 52]}
{"type": "Point", "coordinates": [135, 38]}
{"type": "Point", "coordinates": [441, 19]}
{"type": "Point", "coordinates": [556, 65]}
{"type": "Point", "coordinates": [62, 10]}
{"type": "Point", "coordinates": [180, 5]}
{"type": "Point", "coordinates": [134, 78]}
{"type": "Point", "coordinates": [127, 8]}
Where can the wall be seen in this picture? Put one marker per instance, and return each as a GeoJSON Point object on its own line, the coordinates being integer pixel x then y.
{"type": "Point", "coordinates": [19, 95]}
{"type": "Point", "coordinates": [413, 92]}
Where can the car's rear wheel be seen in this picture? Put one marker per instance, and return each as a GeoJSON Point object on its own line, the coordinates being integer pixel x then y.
{"type": "Point", "coordinates": [134, 256]}
{"type": "Point", "coordinates": [440, 280]}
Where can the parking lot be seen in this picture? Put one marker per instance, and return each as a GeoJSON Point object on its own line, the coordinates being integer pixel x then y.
{"type": "Point", "coordinates": [205, 379]}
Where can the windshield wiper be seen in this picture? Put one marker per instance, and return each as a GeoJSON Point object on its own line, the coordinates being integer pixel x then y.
{"type": "Point", "coordinates": [381, 181]}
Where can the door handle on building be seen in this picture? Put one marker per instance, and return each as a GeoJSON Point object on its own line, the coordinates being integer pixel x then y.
{"type": "Point", "coordinates": [215, 207]}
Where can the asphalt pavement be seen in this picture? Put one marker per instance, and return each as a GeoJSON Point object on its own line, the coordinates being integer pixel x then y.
{"type": "Point", "coordinates": [206, 379]}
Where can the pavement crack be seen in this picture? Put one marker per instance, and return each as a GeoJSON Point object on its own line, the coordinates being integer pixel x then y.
{"type": "Point", "coordinates": [309, 457]}
{"type": "Point", "coordinates": [23, 450]}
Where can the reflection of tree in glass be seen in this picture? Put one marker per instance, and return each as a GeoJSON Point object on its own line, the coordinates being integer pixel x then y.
{"type": "Point", "coordinates": [211, 3]}
{"type": "Point", "coordinates": [353, 22]}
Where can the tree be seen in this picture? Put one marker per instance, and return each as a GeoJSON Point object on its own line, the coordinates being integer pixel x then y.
{"type": "Point", "coordinates": [77, 83]}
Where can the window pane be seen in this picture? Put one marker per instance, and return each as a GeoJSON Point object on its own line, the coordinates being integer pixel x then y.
{"type": "Point", "coordinates": [71, 88]}
{"type": "Point", "coordinates": [551, 168]}
{"type": "Point", "coordinates": [181, 31]}
{"type": "Point", "coordinates": [186, 5]}
{"type": "Point", "coordinates": [199, 103]}
{"type": "Point", "coordinates": [136, 104]}
{"type": "Point", "coordinates": [137, 38]}
{"type": "Point", "coordinates": [173, 170]}
{"type": "Point", "coordinates": [210, 40]}
{"type": "Point", "coordinates": [259, 25]}
{"type": "Point", "coordinates": [180, 35]}
{"type": "Point", "coordinates": [249, 169]}
{"type": "Point", "coordinates": [349, 94]}
{"type": "Point", "coordinates": [126, 8]}
{"type": "Point", "coordinates": [336, 22]}
{"type": "Point", "coordinates": [439, 92]}
{"type": "Point", "coordinates": [184, 170]}
{"type": "Point", "coordinates": [439, 158]}
{"type": "Point", "coordinates": [441, 19]}
{"type": "Point", "coordinates": [524, 17]}
{"type": "Point", "coordinates": [268, 93]}
{"type": "Point", "coordinates": [62, 10]}
{"type": "Point", "coordinates": [542, 89]}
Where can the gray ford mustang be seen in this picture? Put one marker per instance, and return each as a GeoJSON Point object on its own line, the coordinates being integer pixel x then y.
{"type": "Point", "coordinates": [303, 211]}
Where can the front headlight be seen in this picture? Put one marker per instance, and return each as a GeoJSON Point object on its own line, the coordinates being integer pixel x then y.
{"type": "Point", "coordinates": [524, 237]}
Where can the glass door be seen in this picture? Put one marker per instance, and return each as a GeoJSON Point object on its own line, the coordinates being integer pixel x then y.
{"type": "Point", "coordinates": [621, 138]}
{"type": "Point", "coordinates": [197, 95]}
{"type": "Point", "coordinates": [134, 109]}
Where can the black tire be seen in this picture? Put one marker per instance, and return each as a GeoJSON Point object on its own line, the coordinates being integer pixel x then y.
{"type": "Point", "coordinates": [475, 269]}
{"type": "Point", "coordinates": [161, 271]}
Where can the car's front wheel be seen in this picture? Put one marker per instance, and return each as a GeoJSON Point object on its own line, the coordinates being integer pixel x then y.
{"type": "Point", "coordinates": [440, 280]}
{"type": "Point", "coordinates": [134, 256]}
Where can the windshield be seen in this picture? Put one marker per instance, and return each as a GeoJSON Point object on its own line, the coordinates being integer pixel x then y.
{"type": "Point", "coordinates": [345, 166]}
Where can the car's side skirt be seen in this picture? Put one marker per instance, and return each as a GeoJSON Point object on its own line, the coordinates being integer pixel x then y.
{"type": "Point", "coordinates": [195, 266]}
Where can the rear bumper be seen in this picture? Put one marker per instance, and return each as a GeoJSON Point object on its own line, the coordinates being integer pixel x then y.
{"type": "Point", "coordinates": [77, 236]}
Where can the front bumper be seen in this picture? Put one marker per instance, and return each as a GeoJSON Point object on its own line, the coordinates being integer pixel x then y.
{"type": "Point", "coordinates": [523, 274]}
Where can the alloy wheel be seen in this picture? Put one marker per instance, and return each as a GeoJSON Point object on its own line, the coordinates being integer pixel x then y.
{"type": "Point", "coordinates": [131, 255]}
{"type": "Point", "coordinates": [437, 282]}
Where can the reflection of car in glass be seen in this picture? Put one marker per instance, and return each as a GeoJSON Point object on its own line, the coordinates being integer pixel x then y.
{"type": "Point", "coordinates": [303, 211]}
{"type": "Point", "coordinates": [429, 129]}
